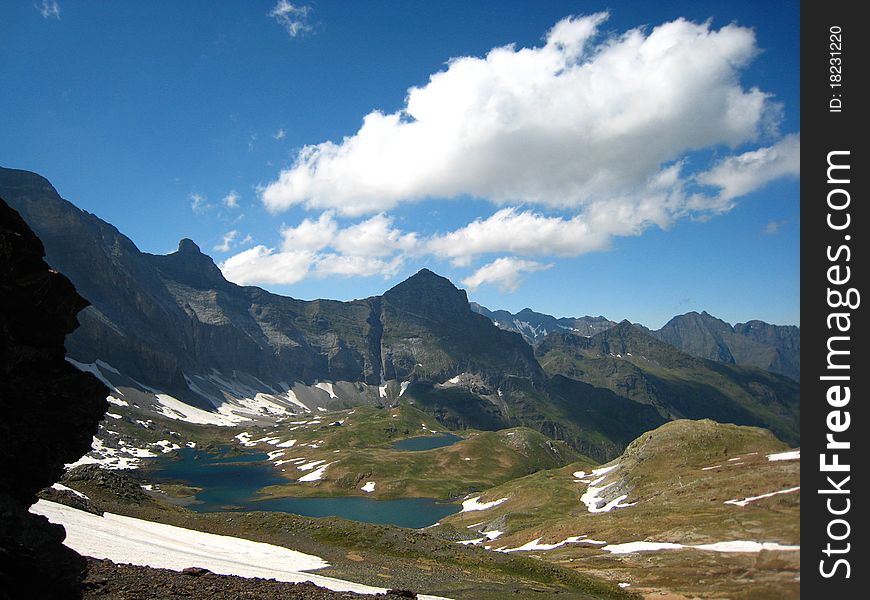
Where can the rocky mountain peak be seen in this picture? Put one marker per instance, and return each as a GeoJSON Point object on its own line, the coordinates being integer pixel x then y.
{"type": "Point", "coordinates": [190, 265]}
{"type": "Point", "coordinates": [188, 246]}
{"type": "Point", "coordinates": [428, 292]}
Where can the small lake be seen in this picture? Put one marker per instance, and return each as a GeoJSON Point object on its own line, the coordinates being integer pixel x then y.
{"type": "Point", "coordinates": [426, 442]}
{"type": "Point", "coordinates": [231, 482]}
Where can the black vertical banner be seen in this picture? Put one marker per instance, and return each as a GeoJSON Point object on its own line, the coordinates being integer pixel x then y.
{"type": "Point", "coordinates": [834, 225]}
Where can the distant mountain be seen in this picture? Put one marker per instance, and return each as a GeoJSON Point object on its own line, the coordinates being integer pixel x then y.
{"type": "Point", "coordinates": [535, 326]}
{"type": "Point", "coordinates": [172, 328]}
{"type": "Point", "coordinates": [775, 348]}
{"type": "Point", "coordinates": [635, 365]}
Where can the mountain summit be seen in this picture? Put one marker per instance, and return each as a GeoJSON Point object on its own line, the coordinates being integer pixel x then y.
{"type": "Point", "coordinates": [173, 327]}
{"type": "Point", "coordinates": [190, 265]}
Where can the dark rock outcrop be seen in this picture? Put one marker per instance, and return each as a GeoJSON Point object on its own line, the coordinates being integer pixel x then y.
{"type": "Point", "coordinates": [50, 411]}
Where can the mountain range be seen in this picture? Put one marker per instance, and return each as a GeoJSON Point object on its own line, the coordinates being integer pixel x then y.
{"type": "Point", "coordinates": [774, 348]}
{"type": "Point", "coordinates": [173, 327]}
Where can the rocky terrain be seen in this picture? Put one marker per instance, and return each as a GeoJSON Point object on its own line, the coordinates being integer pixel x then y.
{"type": "Point", "coordinates": [775, 348]}
{"type": "Point", "coordinates": [50, 411]}
{"type": "Point", "coordinates": [109, 581]}
{"type": "Point", "coordinates": [635, 365]}
{"type": "Point", "coordinates": [174, 333]}
{"type": "Point", "coordinates": [535, 326]}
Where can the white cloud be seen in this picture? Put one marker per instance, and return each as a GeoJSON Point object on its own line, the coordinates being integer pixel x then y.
{"type": "Point", "coordinates": [583, 139]}
{"type": "Point", "coordinates": [231, 200]}
{"type": "Point", "coordinates": [509, 230]}
{"type": "Point", "coordinates": [292, 17]}
{"type": "Point", "coordinates": [262, 265]}
{"type": "Point", "coordinates": [773, 227]}
{"type": "Point", "coordinates": [505, 273]}
{"type": "Point", "coordinates": [374, 237]}
{"type": "Point", "coordinates": [739, 175]}
{"type": "Point", "coordinates": [198, 202]}
{"type": "Point", "coordinates": [48, 9]}
{"type": "Point", "coordinates": [578, 120]}
{"type": "Point", "coordinates": [280, 134]}
{"type": "Point", "coordinates": [357, 266]}
{"type": "Point", "coordinates": [227, 243]}
{"type": "Point", "coordinates": [309, 235]}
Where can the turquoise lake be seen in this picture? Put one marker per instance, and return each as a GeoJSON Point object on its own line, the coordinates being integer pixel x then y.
{"type": "Point", "coordinates": [231, 483]}
{"type": "Point", "coordinates": [426, 442]}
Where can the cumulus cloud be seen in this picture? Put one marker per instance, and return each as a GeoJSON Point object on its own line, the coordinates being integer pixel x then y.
{"type": "Point", "coordinates": [262, 265]}
{"type": "Point", "coordinates": [231, 200]}
{"type": "Point", "coordinates": [505, 273]}
{"type": "Point", "coordinates": [227, 243]}
{"type": "Point", "coordinates": [520, 232]}
{"type": "Point", "coordinates": [49, 9]}
{"type": "Point", "coordinates": [374, 237]}
{"type": "Point", "coordinates": [739, 175]}
{"type": "Point", "coordinates": [310, 235]}
{"type": "Point", "coordinates": [292, 17]}
{"type": "Point", "coordinates": [357, 266]}
{"type": "Point", "coordinates": [577, 120]}
{"type": "Point", "coordinates": [583, 139]}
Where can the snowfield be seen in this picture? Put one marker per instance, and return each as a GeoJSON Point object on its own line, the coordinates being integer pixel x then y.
{"type": "Point", "coordinates": [128, 540]}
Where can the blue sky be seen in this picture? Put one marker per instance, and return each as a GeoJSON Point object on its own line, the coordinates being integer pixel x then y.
{"type": "Point", "coordinates": [636, 160]}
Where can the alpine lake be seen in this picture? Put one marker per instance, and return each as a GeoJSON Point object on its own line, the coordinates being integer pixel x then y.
{"type": "Point", "coordinates": [230, 481]}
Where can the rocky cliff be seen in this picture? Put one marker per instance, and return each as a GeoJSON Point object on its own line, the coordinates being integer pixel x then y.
{"type": "Point", "coordinates": [50, 412]}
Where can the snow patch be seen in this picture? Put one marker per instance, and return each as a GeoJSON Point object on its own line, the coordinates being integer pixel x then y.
{"type": "Point", "coordinates": [729, 546]}
{"type": "Point", "coordinates": [536, 545]}
{"type": "Point", "coordinates": [368, 487]}
{"type": "Point", "coordinates": [138, 542]}
{"type": "Point", "coordinates": [745, 546]}
{"type": "Point", "coordinates": [745, 501]}
{"type": "Point", "coordinates": [315, 475]}
{"type": "Point", "coordinates": [166, 446]}
{"type": "Point", "coordinates": [62, 488]}
{"type": "Point", "coordinates": [117, 401]}
{"type": "Point", "coordinates": [178, 410]}
{"type": "Point", "coordinates": [327, 387]}
{"type": "Point", "coordinates": [790, 455]}
{"type": "Point", "coordinates": [472, 504]}
{"type": "Point", "coordinates": [94, 369]}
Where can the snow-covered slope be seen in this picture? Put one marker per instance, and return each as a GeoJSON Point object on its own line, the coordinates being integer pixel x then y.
{"type": "Point", "coordinates": [135, 541]}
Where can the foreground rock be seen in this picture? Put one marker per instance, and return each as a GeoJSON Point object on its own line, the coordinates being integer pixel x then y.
{"type": "Point", "coordinates": [50, 412]}
{"type": "Point", "coordinates": [107, 580]}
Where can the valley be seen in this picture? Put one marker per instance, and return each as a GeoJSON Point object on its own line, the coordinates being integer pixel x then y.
{"type": "Point", "coordinates": [413, 441]}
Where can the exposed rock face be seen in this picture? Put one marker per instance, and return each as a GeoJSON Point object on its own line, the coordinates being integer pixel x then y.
{"type": "Point", "coordinates": [50, 411]}
{"type": "Point", "coordinates": [174, 323]}
{"type": "Point", "coordinates": [535, 326]}
{"type": "Point", "coordinates": [774, 348]}
{"type": "Point", "coordinates": [637, 366]}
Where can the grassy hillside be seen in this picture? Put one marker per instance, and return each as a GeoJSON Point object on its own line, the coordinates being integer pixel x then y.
{"type": "Point", "coordinates": [638, 367]}
{"type": "Point", "coordinates": [676, 481]}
